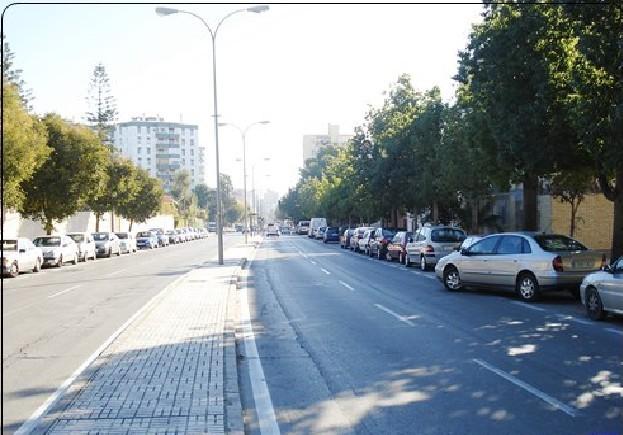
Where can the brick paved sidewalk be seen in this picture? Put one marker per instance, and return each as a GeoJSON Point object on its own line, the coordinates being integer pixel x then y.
{"type": "Point", "coordinates": [165, 372]}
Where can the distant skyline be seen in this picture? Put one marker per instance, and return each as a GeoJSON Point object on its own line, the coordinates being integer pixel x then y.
{"type": "Point", "coordinates": [300, 66]}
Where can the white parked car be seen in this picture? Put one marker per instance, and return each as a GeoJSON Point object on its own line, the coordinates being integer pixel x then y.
{"type": "Point", "coordinates": [20, 255]}
{"type": "Point", "coordinates": [602, 292]}
{"type": "Point", "coordinates": [86, 245]}
{"type": "Point", "coordinates": [106, 243]}
{"type": "Point", "coordinates": [272, 230]}
{"type": "Point", "coordinates": [127, 242]}
{"type": "Point", "coordinates": [57, 250]}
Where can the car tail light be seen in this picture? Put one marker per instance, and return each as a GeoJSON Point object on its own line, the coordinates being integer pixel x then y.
{"type": "Point", "coordinates": [557, 264]}
{"type": "Point", "coordinates": [429, 249]}
{"type": "Point", "coordinates": [383, 242]}
{"type": "Point", "coordinates": [603, 262]}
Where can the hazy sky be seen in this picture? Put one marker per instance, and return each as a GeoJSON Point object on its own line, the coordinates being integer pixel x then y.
{"type": "Point", "coordinates": [299, 66]}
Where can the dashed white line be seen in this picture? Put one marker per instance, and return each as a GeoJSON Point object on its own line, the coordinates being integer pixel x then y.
{"type": "Point", "coordinates": [325, 271]}
{"type": "Point", "coordinates": [616, 331]}
{"type": "Point", "coordinates": [63, 291]}
{"type": "Point", "coordinates": [529, 388]}
{"type": "Point", "coordinates": [532, 307]}
{"type": "Point", "coordinates": [347, 286]}
{"type": "Point", "coordinates": [312, 262]}
{"type": "Point", "coordinates": [396, 315]}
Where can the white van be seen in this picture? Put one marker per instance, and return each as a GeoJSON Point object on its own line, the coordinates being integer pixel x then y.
{"type": "Point", "coordinates": [314, 224]}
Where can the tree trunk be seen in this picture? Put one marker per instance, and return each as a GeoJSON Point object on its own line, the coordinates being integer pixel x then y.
{"type": "Point", "coordinates": [617, 229]}
{"type": "Point", "coordinates": [574, 209]}
{"type": "Point", "coordinates": [48, 226]}
{"type": "Point", "coordinates": [435, 212]}
{"type": "Point", "coordinates": [530, 190]}
{"type": "Point", "coordinates": [112, 220]}
{"type": "Point", "coordinates": [97, 221]}
{"type": "Point", "coordinates": [474, 225]}
{"type": "Point", "coordinates": [131, 222]}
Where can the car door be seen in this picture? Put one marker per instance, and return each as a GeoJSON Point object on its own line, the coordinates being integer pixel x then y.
{"type": "Point", "coordinates": [474, 267]}
{"type": "Point", "coordinates": [33, 253]}
{"type": "Point", "coordinates": [24, 261]}
{"type": "Point", "coordinates": [611, 287]}
{"type": "Point", "coordinates": [504, 264]}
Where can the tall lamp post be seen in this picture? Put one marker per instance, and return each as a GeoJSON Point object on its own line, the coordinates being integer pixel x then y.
{"type": "Point", "coordinates": [243, 133]}
{"type": "Point", "coordinates": [213, 33]}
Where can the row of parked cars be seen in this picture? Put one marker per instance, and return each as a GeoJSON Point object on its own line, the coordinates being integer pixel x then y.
{"type": "Point", "coordinates": [21, 254]}
{"type": "Point", "coordinates": [527, 263]}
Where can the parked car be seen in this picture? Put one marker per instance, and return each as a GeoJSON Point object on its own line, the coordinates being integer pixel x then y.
{"type": "Point", "coordinates": [146, 240]}
{"type": "Point", "coordinates": [345, 237]}
{"type": "Point", "coordinates": [57, 250]}
{"type": "Point", "coordinates": [364, 241]}
{"type": "Point", "coordinates": [272, 230]}
{"type": "Point", "coordinates": [331, 234]}
{"type": "Point", "coordinates": [469, 241]}
{"type": "Point", "coordinates": [20, 255]}
{"type": "Point", "coordinates": [181, 235]}
{"type": "Point", "coordinates": [602, 292]}
{"type": "Point", "coordinates": [379, 241]}
{"type": "Point", "coordinates": [163, 239]}
{"type": "Point", "coordinates": [127, 242]}
{"type": "Point", "coordinates": [285, 230]}
{"type": "Point", "coordinates": [302, 228]}
{"type": "Point", "coordinates": [397, 247]}
{"type": "Point", "coordinates": [526, 262]}
{"type": "Point", "coordinates": [174, 237]}
{"type": "Point", "coordinates": [319, 233]}
{"type": "Point", "coordinates": [314, 225]}
{"type": "Point", "coordinates": [431, 243]}
{"type": "Point", "coordinates": [85, 243]}
{"type": "Point", "coordinates": [356, 237]}
{"type": "Point", "coordinates": [211, 227]}
{"type": "Point", "coordinates": [106, 244]}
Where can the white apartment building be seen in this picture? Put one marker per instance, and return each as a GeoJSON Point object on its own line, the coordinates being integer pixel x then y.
{"type": "Point", "coordinates": [162, 148]}
{"type": "Point", "coordinates": [312, 143]}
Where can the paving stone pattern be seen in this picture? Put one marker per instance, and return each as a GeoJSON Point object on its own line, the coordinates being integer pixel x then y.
{"type": "Point", "coordinates": [162, 375]}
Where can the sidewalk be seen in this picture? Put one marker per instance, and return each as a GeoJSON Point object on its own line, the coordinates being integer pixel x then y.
{"type": "Point", "coordinates": [172, 370]}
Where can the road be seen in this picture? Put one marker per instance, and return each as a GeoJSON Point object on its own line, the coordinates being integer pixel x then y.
{"type": "Point", "coordinates": [352, 345]}
{"type": "Point", "coordinates": [54, 320]}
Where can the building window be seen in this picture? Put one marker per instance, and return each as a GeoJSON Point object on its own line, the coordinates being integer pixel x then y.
{"type": "Point", "coordinates": [192, 142]}
{"type": "Point", "coordinates": [183, 161]}
{"type": "Point", "coordinates": [140, 129]}
{"type": "Point", "coordinates": [183, 152]}
{"type": "Point", "coordinates": [183, 141]}
{"type": "Point", "coordinates": [183, 130]}
{"type": "Point", "coordinates": [192, 162]}
{"type": "Point", "coordinates": [192, 171]}
{"type": "Point", "coordinates": [192, 152]}
{"type": "Point", "coordinates": [138, 150]}
{"type": "Point", "coordinates": [148, 150]}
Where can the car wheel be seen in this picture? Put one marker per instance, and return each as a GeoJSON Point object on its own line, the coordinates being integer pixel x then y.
{"type": "Point", "coordinates": [575, 293]}
{"type": "Point", "coordinates": [14, 271]}
{"type": "Point", "coordinates": [594, 306]}
{"type": "Point", "coordinates": [37, 267]}
{"type": "Point", "coordinates": [388, 257]}
{"type": "Point", "coordinates": [527, 287]}
{"type": "Point", "coordinates": [451, 279]}
{"type": "Point", "coordinates": [423, 265]}
{"type": "Point", "coordinates": [408, 262]}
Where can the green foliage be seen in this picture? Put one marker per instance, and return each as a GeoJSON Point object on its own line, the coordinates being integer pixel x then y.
{"type": "Point", "coordinates": [71, 175]}
{"type": "Point", "coordinates": [201, 192]}
{"type": "Point", "coordinates": [14, 76]}
{"type": "Point", "coordinates": [232, 211]}
{"type": "Point", "coordinates": [102, 106]}
{"type": "Point", "coordinates": [148, 199]}
{"type": "Point", "coordinates": [24, 146]}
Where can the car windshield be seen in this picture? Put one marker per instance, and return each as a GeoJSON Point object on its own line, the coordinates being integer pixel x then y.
{"type": "Point", "coordinates": [144, 234]}
{"type": "Point", "coordinates": [332, 229]}
{"type": "Point", "coordinates": [122, 235]}
{"type": "Point", "coordinates": [9, 245]}
{"type": "Point", "coordinates": [553, 243]}
{"type": "Point", "coordinates": [77, 237]}
{"type": "Point", "coordinates": [47, 241]}
{"type": "Point", "coordinates": [100, 236]}
{"type": "Point", "coordinates": [448, 235]}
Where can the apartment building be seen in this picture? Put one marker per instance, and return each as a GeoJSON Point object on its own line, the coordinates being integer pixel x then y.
{"type": "Point", "coordinates": [162, 148]}
{"type": "Point", "coordinates": [312, 143]}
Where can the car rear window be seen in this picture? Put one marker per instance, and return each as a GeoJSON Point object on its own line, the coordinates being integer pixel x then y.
{"type": "Point", "coordinates": [447, 235]}
{"type": "Point", "coordinates": [389, 233]}
{"type": "Point", "coordinates": [77, 237]}
{"type": "Point", "coordinates": [332, 229]}
{"type": "Point", "coordinates": [144, 234]}
{"type": "Point", "coordinates": [47, 241]}
{"type": "Point", "coordinates": [552, 243]}
{"type": "Point", "coordinates": [122, 235]}
{"type": "Point", "coordinates": [100, 236]}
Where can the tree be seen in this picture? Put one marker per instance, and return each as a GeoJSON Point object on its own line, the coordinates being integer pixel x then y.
{"type": "Point", "coordinates": [147, 201]}
{"type": "Point", "coordinates": [102, 109]}
{"type": "Point", "coordinates": [201, 191]}
{"type": "Point", "coordinates": [570, 187]}
{"type": "Point", "coordinates": [71, 175]}
{"type": "Point", "coordinates": [180, 191]}
{"type": "Point", "coordinates": [514, 69]}
{"type": "Point", "coordinates": [24, 147]}
{"type": "Point", "coordinates": [121, 187]}
{"type": "Point", "coordinates": [14, 76]}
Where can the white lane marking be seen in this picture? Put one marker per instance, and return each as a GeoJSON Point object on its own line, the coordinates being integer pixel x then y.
{"type": "Point", "coordinates": [347, 286]}
{"type": "Point", "coordinates": [616, 331]}
{"type": "Point", "coordinates": [573, 319]}
{"type": "Point", "coordinates": [261, 394]}
{"type": "Point", "coordinates": [34, 420]}
{"type": "Point", "coordinates": [118, 271]}
{"type": "Point", "coordinates": [325, 271]}
{"type": "Point", "coordinates": [532, 307]}
{"type": "Point", "coordinates": [312, 262]}
{"type": "Point", "coordinates": [529, 388]}
{"type": "Point", "coordinates": [396, 315]}
{"type": "Point", "coordinates": [63, 291]}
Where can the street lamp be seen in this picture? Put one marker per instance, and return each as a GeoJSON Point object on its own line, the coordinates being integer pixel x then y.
{"type": "Point", "coordinates": [243, 133]}
{"type": "Point", "coordinates": [170, 11]}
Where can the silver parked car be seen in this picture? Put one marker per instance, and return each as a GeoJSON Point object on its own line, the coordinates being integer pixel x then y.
{"type": "Point", "coordinates": [57, 250]}
{"type": "Point", "coordinates": [127, 242]}
{"type": "Point", "coordinates": [106, 244]}
{"type": "Point", "coordinates": [20, 255]}
{"type": "Point", "coordinates": [85, 243]}
{"type": "Point", "coordinates": [431, 243]}
{"type": "Point", "coordinates": [602, 292]}
{"type": "Point", "coordinates": [363, 244]}
{"type": "Point", "coordinates": [528, 263]}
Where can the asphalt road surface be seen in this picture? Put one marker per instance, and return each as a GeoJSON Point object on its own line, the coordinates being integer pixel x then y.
{"type": "Point", "coordinates": [352, 345]}
{"type": "Point", "coordinates": [54, 320]}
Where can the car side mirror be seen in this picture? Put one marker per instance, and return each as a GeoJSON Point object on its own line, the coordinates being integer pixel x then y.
{"type": "Point", "coordinates": [22, 250]}
{"type": "Point", "coordinates": [465, 251]}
